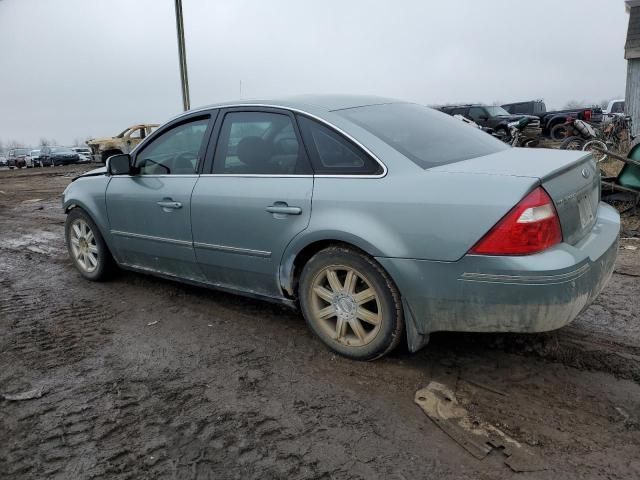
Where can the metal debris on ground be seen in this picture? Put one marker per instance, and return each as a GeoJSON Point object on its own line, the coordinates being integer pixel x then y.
{"type": "Point", "coordinates": [440, 404]}
{"type": "Point", "coordinates": [28, 395]}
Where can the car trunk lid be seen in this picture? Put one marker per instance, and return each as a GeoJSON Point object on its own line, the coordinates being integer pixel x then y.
{"type": "Point", "coordinates": [571, 179]}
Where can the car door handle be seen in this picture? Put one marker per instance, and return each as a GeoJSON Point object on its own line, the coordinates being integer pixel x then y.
{"type": "Point", "coordinates": [170, 204]}
{"type": "Point", "coordinates": [284, 209]}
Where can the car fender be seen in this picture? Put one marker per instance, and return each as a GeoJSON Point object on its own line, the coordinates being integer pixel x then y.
{"type": "Point", "coordinates": [89, 193]}
{"type": "Point", "coordinates": [356, 229]}
{"type": "Point", "coordinates": [553, 120]}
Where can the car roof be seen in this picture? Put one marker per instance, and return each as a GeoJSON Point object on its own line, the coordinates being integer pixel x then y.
{"type": "Point", "coordinates": [328, 103]}
{"type": "Point", "coordinates": [465, 105]}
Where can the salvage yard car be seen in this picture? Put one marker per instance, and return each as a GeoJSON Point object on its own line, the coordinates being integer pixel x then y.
{"type": "Point", "coordinates": [124, 142]}
{"type": "Point", "coordinates": [35, 158]}
{"type": "Point", "coordinates": [84, 153]}
{"type": "Point", "coordinates": [54, 156]}
{"type": "Point", "coordinates": [16, 158]}
{"type": "Point", "coordinates": [495, 118]}
{"type": "Point", "coordinates": [379, 219]}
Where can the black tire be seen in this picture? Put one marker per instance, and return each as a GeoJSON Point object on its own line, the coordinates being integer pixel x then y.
{"type": "Point", "coordinates": [503, 134]}
{"type": "Point", "coordinates": [105, 265]}
{"type": "Point", "coordinates": [559, 132]}
{"type": "Point", "coordinates": [572, 143]}
{"type": "Point", "coordinates": [378, 339]}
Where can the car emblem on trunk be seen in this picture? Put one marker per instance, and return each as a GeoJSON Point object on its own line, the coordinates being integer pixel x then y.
{"type": "Point", "coordinates": [586, 173]}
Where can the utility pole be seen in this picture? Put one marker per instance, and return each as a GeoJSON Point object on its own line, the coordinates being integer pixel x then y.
{"type": "Point", "coordinates": [184, 80]}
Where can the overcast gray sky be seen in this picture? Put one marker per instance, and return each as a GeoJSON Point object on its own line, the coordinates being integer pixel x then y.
{"type": "Point", "coordinates": [78, 68]}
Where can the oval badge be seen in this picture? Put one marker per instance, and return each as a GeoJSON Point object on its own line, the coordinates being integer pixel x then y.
{"type": "Point", "coordinates": [586, 173]}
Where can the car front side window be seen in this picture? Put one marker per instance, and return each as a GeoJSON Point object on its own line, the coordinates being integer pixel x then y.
{"type": "Point", "coordinates": [477, 113]}
{"type": "Point", "coordinates": [175, 152]}
{"type": "Point", "coordinates": [259, 143]}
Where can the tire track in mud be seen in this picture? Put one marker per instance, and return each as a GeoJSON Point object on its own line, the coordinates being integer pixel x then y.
{"type": "Point", "coordinates": [160, 428]}
{"type": "Point", "coordinates": [43, 334]}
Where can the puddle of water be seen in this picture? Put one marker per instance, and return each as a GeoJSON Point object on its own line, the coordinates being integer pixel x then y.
{"type": "Point", "coordinates": [38, 242]}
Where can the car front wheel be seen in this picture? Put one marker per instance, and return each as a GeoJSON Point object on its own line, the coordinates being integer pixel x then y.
{"type": "Point", "coordinates": [86, 247]}
{"type": "Point", "coordinates": [351, 304]}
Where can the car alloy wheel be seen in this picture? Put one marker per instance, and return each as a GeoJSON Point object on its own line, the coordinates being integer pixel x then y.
{"type": "Point", "coordinates": [84, 246]}
{"type": "Point", "coordinates": [351, 303]}
{"type": "Point", "coordinates": [346, 305]}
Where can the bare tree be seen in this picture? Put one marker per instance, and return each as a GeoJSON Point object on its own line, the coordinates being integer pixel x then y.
{"type": "Point", "coordinates": [574, 104]}
{"type": "Point", "coordinates": [14, 144]}
{"type": "Point", "coordinates": [47, 142]}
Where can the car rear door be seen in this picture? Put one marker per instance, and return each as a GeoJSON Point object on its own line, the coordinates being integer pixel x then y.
{"type": "Point", "coordinates": [255, 199]}
{"type": "Point", "coordinates": [150, 212]}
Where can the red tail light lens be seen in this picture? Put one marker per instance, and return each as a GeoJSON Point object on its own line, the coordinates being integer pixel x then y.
{"type": "Point", "coordinates": [587, 115]}
{"type": "Point", "coordinates": [531, 226]}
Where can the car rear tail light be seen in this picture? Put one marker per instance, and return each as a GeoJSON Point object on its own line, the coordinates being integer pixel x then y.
{"type": "Point", "coordinates": [587, 115]}
{"type": "Point", "coordinates": [531, 226]}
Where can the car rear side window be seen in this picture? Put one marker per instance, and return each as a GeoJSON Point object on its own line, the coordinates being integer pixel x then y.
{"type": "Point", "coordinates": [333, 154]}
{"type": "Point", "coordinates": [427, 137]}
{"type": "Point", "coordinates": [259, 143]}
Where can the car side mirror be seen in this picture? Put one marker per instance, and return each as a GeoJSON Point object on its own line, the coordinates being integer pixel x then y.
{"type": "Point", "coordinates": [119, 164]}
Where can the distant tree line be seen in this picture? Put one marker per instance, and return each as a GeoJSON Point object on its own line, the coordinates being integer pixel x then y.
{"type": "Point", "coordinates": [43, 142]}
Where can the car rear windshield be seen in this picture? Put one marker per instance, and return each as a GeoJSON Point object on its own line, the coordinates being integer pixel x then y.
{"type": "Point", "coordinates": [427, 137]}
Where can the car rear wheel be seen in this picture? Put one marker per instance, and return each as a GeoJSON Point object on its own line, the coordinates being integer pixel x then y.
{"type": "Point", "coordinates": [86, 247]}
{"type": "Point", "coordinates": [559, 131]}
{"type": "Point", "coordinates": [351, 304]}
{"type": "Point", "coordinates": [572, 143]}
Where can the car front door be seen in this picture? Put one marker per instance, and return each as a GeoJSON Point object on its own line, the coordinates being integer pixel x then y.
{"type": "Point", "coordinates": [150, 211]}
{"type": "Point", "coordinates": [256, 199]}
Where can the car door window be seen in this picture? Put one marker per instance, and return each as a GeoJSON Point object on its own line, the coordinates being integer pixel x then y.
{"type": "Point", "coordinates": [135, 133]}
{"type": "Point", "coordinates": [175, 152]}
{"type": "Point", "coordinates": [333, 154]}
{"type": "Point", "coordinates": [476, 113]}
{"type": "Point", "coordinates": [618, 107]}
{"type": "Point", "coordinates": [261, 143]}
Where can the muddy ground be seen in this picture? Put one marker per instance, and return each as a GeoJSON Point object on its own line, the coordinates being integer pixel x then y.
{"type": "Point", "coordinates": [225, 387]}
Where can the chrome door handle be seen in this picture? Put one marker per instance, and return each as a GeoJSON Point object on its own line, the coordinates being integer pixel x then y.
{"type": "Point", "coordinates": [284, 209]}
{"type": "Point", "coordinates": [170, 204]}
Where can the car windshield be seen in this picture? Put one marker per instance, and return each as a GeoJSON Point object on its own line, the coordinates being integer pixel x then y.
{"type": "Point", "coordinates": [496, 111]}
{"type": "Point", "coordinates": [61, 150]}
{"type": "Point", "coordinates": [427, 137]}
{"type": "Point", "coordinates": [20, 151]}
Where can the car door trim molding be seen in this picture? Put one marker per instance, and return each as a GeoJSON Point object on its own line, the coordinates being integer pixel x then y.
{"type": "Point", "coordinates": [187, 243]}
{"type": "Point", "coordinates": [140, 236]}
{"type": "Point", "coordinates": [158, 175]}
{"type": "Point", "coordinates": [238, 250]}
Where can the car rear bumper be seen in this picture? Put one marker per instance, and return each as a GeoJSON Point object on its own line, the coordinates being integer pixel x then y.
{"type": "Point", "coordinates": [532, 293]}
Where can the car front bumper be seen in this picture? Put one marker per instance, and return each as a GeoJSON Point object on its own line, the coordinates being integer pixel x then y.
{"type": "Point", "coordinates": [533, 293]}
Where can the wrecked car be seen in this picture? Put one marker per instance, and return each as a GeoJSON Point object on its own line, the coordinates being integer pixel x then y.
{"type": "Point", "coordinates": [124, 142]}
{"type": "Point", "coordinates": [419, 224]}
